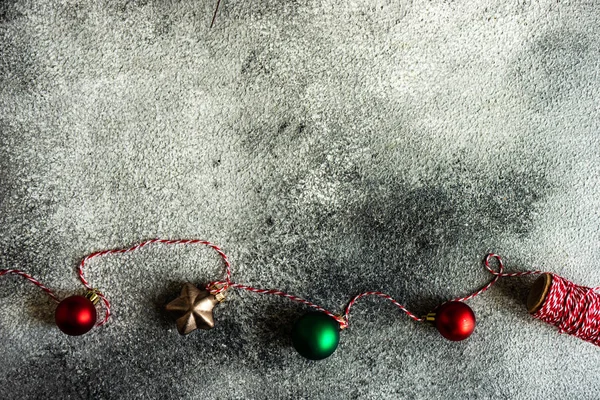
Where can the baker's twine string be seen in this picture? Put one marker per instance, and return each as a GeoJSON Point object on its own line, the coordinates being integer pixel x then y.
{"type": "Point", "coordinates": [497, 275]}
{"type": "Point", "coordinates": [574, 309]}
{"type": "Point", "coordinates": [217, 287]}
{"type": "Point", "coordinates": [32, 280]}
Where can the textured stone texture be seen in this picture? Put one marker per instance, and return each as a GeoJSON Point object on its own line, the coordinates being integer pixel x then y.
{"type": "Point", "coordinates": [330, 147]}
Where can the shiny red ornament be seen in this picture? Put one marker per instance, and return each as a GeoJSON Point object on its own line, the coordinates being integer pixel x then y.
{"type": "Point", "coordinates": [75, 315]}
{"type": "Point", "coordinates": [455, 320]}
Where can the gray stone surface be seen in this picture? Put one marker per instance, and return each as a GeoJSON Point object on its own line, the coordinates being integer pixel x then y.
{"type": "Point", "coordinates": [330, 147]}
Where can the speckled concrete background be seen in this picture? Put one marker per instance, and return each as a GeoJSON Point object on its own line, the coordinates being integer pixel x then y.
{"type": "Point", "coordinates": [330, 147]}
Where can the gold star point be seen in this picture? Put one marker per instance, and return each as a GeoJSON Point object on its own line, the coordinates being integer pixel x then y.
{"type": "Point", "coordinates": [193, 309]}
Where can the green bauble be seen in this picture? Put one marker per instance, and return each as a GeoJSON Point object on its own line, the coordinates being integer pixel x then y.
{"type": "Point", "coordinates": [316, 335]}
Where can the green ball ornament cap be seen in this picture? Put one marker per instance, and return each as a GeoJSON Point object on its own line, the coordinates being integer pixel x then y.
{"type": "Point", "coordinates": [316, 335]}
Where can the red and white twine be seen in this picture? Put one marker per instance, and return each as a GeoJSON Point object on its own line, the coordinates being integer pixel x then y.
{"type": "Point", "coordinates": [30, 279]}
{"type": "Point", "coordinates": [573, 309]}
{"type": "Point", "coordinates": [497, 275]}
{"type": "Point", "coordinates": [138, 246]}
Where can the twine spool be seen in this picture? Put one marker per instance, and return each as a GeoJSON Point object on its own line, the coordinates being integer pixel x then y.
{"type": "Point", "coordinates": [572, 308]}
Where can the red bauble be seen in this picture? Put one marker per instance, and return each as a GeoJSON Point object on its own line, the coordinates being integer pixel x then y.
{"type": "Point", "coordinates": [455, 320]}
{"type": "Point", "coordinates": [75, 315]}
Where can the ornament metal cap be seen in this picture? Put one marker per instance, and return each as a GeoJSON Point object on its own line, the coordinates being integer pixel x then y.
{"type": "Point", "coordinates": [92, 295]}
{"type": "Point", "coordinates": [218, 290]}
{"type": "Point", "coordinates": [342, 321]}
{"type": "Point", "coordinates": [429, 318]}
{"type": "Point", "coordinates": [220, 297]}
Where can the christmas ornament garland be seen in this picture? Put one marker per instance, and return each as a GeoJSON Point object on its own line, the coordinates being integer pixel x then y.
{"type": "Point", "coordinates": [572, 308]}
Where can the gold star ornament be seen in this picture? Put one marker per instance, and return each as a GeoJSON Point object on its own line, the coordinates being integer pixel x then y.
{"type": "Point", "coordinates": [194, 309]}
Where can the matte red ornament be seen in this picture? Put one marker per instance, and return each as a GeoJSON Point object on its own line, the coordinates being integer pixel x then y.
{"type": "Point", "coordinates": [455, 320]}
{"type": "Point", "coordinates": [75, 315]}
